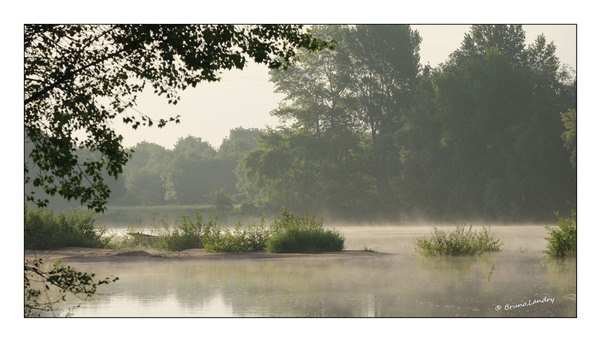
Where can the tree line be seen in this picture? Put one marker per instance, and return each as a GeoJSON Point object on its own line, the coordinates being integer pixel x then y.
{"type": "Point", "coordinates": [374, 134]}
{"type": "Point", "coordinates": [371, 133]}
{"type": "Point", "coordinates": [187, 174]}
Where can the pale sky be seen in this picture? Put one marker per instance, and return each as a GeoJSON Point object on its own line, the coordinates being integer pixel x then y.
{"type": "Point", "coordinates": [245, 98]}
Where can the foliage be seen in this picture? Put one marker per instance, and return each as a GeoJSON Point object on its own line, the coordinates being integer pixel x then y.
{"type": "Point", "coordinates": [457, 242]}
{"type": "Point", "coordinates": [286, 233]}
{"type": "Point", "coordinates": [56, 283]}
{"type": "Point", "coordinates": [562, 241]}
{"type": "Point", "coordinates": [78, 78]}
{"type": "Point", "coordinates": [373, 134]}
{"type": "Point", "coordinates": [239, 142]}
{"type": "Point", "coordinates": [498, 132]}
{"type": "Point", "coordinates": [241, 239]}
{"type": "Point", "coordinates": [191, 173]}
{"type": "Point", "coordinates": [185, 234]}
{"type": "Point", "coordinates": [221, 201]}
{"type": "Point", "coordinates": [569, 136]}
{"type": "Point", "coordinates": [188, 173]}
{"type": "Point", "coordinates": [498, 129]}
{"type": "Point", "coordinates": [144, 174]}
{"type": "Point", "coordinates": [296, 234]}
{"type": "Point", "coordinates": [509, 39]}
{"type": "Point", "coordinates": [45, 229]}
{"type": "Point", "coordinates": [341, 103]}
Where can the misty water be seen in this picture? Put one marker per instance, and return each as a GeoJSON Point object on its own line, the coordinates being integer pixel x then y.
{"type": "Point", "coordinates": [519, 281]}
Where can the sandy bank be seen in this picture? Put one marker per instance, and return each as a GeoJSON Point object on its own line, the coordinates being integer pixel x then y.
{"type": "Point", "coordinates": [81, 254]}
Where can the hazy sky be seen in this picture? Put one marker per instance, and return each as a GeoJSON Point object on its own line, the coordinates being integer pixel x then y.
{"type": "Point", "coordinates": [245, 98]}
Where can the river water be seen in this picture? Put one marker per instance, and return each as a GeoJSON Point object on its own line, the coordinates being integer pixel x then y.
{"type": "Point", "coordinates": [519, 281]}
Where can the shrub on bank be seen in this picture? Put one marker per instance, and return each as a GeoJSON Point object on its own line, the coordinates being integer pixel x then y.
{"type": "Point", "coordinates": [562, 241]}
{"type": "Point", "coordinates": [460, 241]}
{"type": "Point", "coordinates": [239, 240]}
{"type": "Point", "coordinates": [295, 234]}
{"type": "Point", "coordinates": [288, 233]}
{"type": "Point", "coordinates": [45, 229]}
{"type": "Point", "coordinates": [185, 234]}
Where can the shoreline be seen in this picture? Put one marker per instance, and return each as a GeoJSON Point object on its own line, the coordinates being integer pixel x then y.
{"type": "Point", "coordinates": [84, 254]}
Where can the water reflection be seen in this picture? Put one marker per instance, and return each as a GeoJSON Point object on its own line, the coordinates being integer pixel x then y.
{"type": "Point", "coordinates": [376, 285]}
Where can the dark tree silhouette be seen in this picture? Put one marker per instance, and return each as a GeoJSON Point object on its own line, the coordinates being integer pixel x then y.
{"type": "Point", "coordinates": [78, 78]}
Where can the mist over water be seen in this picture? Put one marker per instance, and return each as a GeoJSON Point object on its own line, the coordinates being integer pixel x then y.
{"type": "Point", "coordinates": [516, 282]}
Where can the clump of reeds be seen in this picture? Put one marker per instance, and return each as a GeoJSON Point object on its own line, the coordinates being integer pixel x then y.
{"type": "Point", "coordinates": [459, 241]}
{"type": "Point", "coordinates": [288, 233]}
{"type": "Point", "coordinates": [45, 229]}
{"type": "Point", "coordinates": [302, 234]}
{"type": "Point", "coordinates": [241, 239]}
{"type": "Point", "coordinates": [562, 241]}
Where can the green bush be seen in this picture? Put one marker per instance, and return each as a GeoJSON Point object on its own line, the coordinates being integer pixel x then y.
{"type": "Point", "coordinates": [185, 234]}
{"type": "Point", "coordinates": [562, 241]}
{"type": "Point", "coordinates": [221, 201]}
{"type": "Point", "coordinates": [45, 229]}
{"type": "Point", "coordinates": [295, 234]}
{"type": "Point", "coordinates": [460, 241]}
{"type": "Point", "coordinates": [287, 233]}
{"type": "Point", "coordinates": [242, 239]}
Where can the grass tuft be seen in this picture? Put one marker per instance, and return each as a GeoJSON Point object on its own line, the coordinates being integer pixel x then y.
{"type": "Point", "coordinates": [296, 234]}
{"type": "Point", "coordinates": [562, 241]}
{"type": "Point", "coordinates": [460, 241]}
{"type": "Point", "coordinates": [241, 239]}
{"type": "Point", "coordinates": [185, 234]}
{"type": "Point", "coordinates": [45, 229]}
{"type": "Point", "coordinates": [288, 233]}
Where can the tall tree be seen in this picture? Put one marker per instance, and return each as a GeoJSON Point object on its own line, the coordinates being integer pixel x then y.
{"type": "Point", "coordinates": [317, 87]}
{"type": "Point", "coordinates": [191, 174]}
{"type": "Point", "coordinates": [509, 39]}
{"type": "Point", "coordinates": [385, 61]}
{"type": "Point", "coordinates": [145, 174]}
{"type": "Point", "coordinates": [239, 142]}
{"type": "Point", "coordinates": [373, 132]}
{"type": "Point", "coordinates": [332, 99]}
{"type": "Point", "coordinates": [232, 151]}
{"type": "Point", "coordinates": [385, 65]}
{"type": "Point", "coordinates": [499, 105]}
{"type": "Point", "coordinates": [569, 137]}
{"type": "Point", "coordinates": [80, 77]}
{"type": "Point", "coordinates": [422, 179]}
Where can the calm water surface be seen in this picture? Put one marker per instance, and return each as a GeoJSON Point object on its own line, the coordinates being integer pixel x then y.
{"type": "Point", "coordinates": [516, 282]}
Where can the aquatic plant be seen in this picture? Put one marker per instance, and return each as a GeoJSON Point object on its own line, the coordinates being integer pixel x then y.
{"type": "Point", "coordinates": [241, 239]}
{"type": "Point", "coordinates": [185, 234]}
{"type": "Point", "coordinates": [302, 234]}
{"type": "Point", "coordinates": [562, 241]}
{"type": "Point", "coordinates": [286, 233]}
{"type": "Point", "coordinates": [369, 249]}
{"type": "Point", "coordinates": [459, 241]}
{"type": "Point", "coordinates": [45, 229]}
{"type": "Point", "coordinates": [489, 274]}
